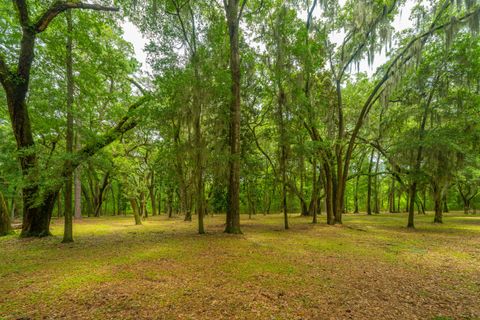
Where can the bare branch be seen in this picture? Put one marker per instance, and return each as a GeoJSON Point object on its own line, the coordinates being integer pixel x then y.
{"type": "Point", "coordinates": [241, 10]}
{"type": "Point", "coordinates": [310, 15]}
{"type": "Point", "coordinates": [61, 6]}
{"type": "Point", "coordinates": [182, 24]}
{"type": "Point", "coordinates": [138, 86]}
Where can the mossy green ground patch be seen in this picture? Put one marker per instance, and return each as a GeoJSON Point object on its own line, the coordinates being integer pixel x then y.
{"type": "Point", "coordinates": [372, 267]}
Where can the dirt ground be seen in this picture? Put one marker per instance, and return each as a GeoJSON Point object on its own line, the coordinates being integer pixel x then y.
{"type": "Point", "coordinates": [372, 267]}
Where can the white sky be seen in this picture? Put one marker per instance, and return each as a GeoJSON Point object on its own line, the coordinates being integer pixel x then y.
{"type": "Point", "coordinates": [401, 22]}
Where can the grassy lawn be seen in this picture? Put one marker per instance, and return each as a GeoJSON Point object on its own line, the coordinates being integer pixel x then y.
{"type": "Point", "coordinates": [369, 268]}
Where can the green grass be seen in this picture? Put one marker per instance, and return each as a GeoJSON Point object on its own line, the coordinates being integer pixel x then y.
{"type": "Point", "coordinates": [371, 267]}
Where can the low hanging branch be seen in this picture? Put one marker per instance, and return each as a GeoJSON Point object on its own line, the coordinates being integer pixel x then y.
{"type": "Point", "coordinates": [61, 6]}
{"type": "Point", "coordinates": [127, 123]}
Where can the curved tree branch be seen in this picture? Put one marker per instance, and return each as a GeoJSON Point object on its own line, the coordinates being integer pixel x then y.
{"type": "Point", "coordinates": [61, 6]}
{"type": "Point", "coordinates": [401, 59]}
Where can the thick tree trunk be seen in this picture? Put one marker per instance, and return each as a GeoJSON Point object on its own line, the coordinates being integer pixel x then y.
{"type": "Point", "coordinates": [68, 216]}
{"type": "Point", "coordinates": [233, 201]}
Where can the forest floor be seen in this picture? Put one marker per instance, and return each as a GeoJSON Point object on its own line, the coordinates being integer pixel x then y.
{"type": "Point", "coordinates": [372, 267]}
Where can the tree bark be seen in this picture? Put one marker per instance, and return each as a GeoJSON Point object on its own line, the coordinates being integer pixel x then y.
{"type": "Point", "coordinates": [369, 184]}
{"type": "Point", "coordinates": [136, 214]}
{"type": "Point", "coordinates": [68, 227]}
{"type": "Point", "coordinates": [5, 224]}
{"type": "Point", "coordinates": [233, 202]}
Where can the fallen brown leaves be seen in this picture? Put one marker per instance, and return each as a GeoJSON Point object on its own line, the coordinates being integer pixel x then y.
{"type": "Point", "coordinates": [308, 272]}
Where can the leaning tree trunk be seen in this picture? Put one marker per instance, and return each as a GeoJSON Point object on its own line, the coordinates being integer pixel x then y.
{"type": "Point", "coordinates": [136, 214]}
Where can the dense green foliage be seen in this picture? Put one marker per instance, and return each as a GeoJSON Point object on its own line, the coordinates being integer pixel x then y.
{"type": "Point", "coordinates": [317, 136]}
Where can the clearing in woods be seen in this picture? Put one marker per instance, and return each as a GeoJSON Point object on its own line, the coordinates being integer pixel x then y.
{"type": "Point", "coordinates": [371, 267]}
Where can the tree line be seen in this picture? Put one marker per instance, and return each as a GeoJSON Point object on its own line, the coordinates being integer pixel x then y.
{"type": "Point", "coordinates": [249, 106]}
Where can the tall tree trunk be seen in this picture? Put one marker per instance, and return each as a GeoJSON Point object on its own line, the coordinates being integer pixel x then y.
{"type": "Point", "coordinates": [78, 193]}
{"type": "Point", "coordinates": [445, 203]}
{"type": "Point", "coordinates": [143, 206]}
{"type": "Point", "coordinates": [391, 197]}
{"type": "Point", "coordinates": [159, 201]}
{"type": "Point", "coordinates": [281, 100]}
{"type": "Point", "coordinates": [314, 198]}
{"type": "Point", "coordinates": [369, 184]}
{"type": "Point", "coordinates": [68, 228]}
{"type": "Point", "coordinates": [418, 161]}
{"type": "Point", "coordinates": [302, 178]}
{"type": "Point", "coordinates": [169, 200]}
{"type": "Point", "coordinates": [182, 185]}
{"type": "Point", "coordinates": [437, 198]}
{"type": "Point", "coordinates": [200, 194]}
{"type": "Point", "coordinates": [399, 199]}
{"type": "Point", "coordinates": [114, 200]}
{"type": "Point", "coordinates": [233, 203]}
{"type": "Point", "coordinates": [411, 205]}
{"type": "Point", "coordinates": [100, 195]}
{"type": "Point", "coordinates": [77, 181]}
{"type": "Point", "coordinates": [376, 207]}
{"type": "Point", "coordinates": [329, 201]}
{"type": "Point", "coordinates": [151, 191]}
{"type": "Point", "coordinates": [5, 224]}
{"type": "Point", "coordinates": [355, 196]}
